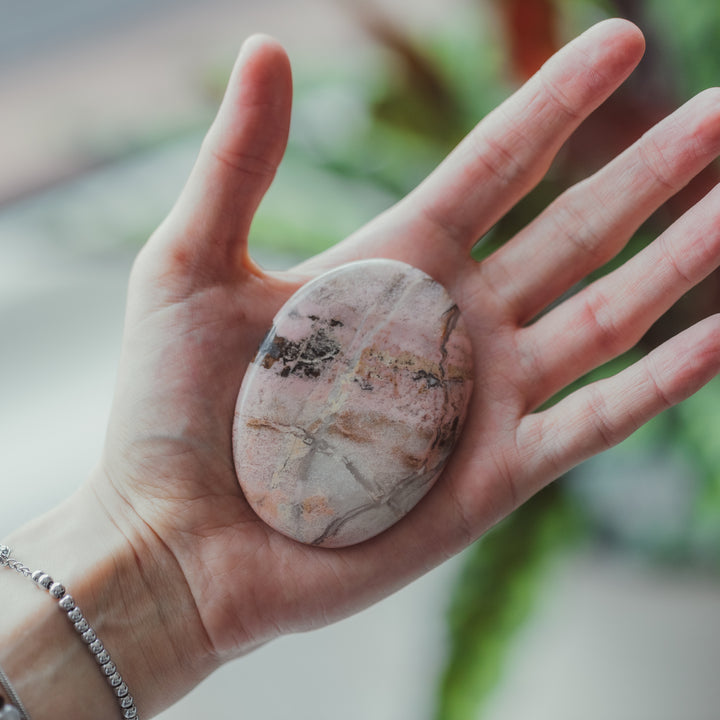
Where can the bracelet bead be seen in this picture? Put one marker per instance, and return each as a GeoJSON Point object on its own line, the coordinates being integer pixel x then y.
{"type": "Point", "coordinates": [96, 647]}
{"type": "Point", "coordinates": [57, 590]}
{"type": "Point", "coordinates": [45, 581]}
{"type": "Point", "coordinates": [109, 668]}
{"type": "Point", "coordinates": [82, 625]}
{"type": "Point", "coordinates": [67, 602]}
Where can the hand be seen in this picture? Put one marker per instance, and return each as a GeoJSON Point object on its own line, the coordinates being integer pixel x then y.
{"type": "Point", "coordinates": [198, 307]}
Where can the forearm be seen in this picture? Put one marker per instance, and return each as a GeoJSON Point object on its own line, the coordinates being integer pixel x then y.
{"type": "Point", "coordinates": [143, 616]}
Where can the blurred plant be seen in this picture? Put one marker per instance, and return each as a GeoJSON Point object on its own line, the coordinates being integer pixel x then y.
{"type": "Point", "coordinates": [373, 139]}
{"type": "Point", "coordinates": [423, 98]}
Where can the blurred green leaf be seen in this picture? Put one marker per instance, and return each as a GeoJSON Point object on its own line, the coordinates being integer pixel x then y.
{"type": "Point", "coordinates": [698, 431]}
{"type": "Point", "coordinates": [495, 594]}
{"type": "Point", "coordinates": [690, 32]}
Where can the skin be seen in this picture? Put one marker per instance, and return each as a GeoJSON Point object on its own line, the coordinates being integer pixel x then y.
{"type": "Point", "coordinates": [160, 546]}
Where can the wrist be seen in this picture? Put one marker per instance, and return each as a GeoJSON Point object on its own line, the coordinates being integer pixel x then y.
{"type": "Point", "coordinates": [131, 592]}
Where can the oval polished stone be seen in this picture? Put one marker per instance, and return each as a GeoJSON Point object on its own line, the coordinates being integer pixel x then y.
{"type": "Point", "coordinates": [353, 402]}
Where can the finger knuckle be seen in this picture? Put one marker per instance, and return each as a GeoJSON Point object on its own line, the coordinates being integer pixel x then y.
{"type": "Point", "coordinates": [578, 225]}
{"type": "Point", "coordinates": [498, 158]}
{"type": "Point", "coordinates": [610, 338]}
{"type": "Point", "coordinates": [604, 428]}
{"type": "Point", "coordinates": [657, 164]}
{"type": "Point", "coordinates": [246, 163]}
{"type": "Point", "coordinates": [556, 97]}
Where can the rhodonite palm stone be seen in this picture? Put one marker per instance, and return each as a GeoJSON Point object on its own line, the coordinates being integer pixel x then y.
{"type": "Point", "coordinates": [353, 402]}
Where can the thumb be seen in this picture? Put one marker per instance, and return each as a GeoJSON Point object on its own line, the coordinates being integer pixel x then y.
{"type": "Point", "coordinates": [209, 224]}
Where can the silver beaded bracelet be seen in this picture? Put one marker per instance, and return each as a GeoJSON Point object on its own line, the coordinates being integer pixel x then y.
{"type": "Point", "coordinates": [82, 627]}
{"type": "Point", "coordinates": [10, 706]}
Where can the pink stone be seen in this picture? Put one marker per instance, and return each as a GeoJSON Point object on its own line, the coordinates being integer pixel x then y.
{"type": "Point", "coordinates": [353, 403]}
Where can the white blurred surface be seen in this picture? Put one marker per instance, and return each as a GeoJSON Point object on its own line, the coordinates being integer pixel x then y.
{"type": "Point", "coordinates": [614, 638]}
{"type": "Point", "coordinates": [610, 640]}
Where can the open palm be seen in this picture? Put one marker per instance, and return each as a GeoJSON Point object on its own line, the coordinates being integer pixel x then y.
{"type": "Point", "coordinates": [198, 307]}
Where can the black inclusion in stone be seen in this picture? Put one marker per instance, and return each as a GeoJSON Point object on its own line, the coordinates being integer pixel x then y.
{"type": "Point", "coordinates": [303, 358]}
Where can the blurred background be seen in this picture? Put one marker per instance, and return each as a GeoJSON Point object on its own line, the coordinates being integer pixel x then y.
{"type": "Point", "coordinates": [601, 597]}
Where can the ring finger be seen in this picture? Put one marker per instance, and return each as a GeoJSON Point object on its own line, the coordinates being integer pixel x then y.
{"type": "Point", "coordinates": [611, 315]}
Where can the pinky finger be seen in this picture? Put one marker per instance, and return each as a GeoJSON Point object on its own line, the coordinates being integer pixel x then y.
{"type": "Point", "coordinates": [602, 414]}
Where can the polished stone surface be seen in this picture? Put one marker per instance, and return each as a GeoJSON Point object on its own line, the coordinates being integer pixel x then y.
{"type": "Point", "coordinates": [354, 400]}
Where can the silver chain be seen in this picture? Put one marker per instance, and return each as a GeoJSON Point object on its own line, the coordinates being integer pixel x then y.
{"type": "Point", "coordinates": [16, 565]}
